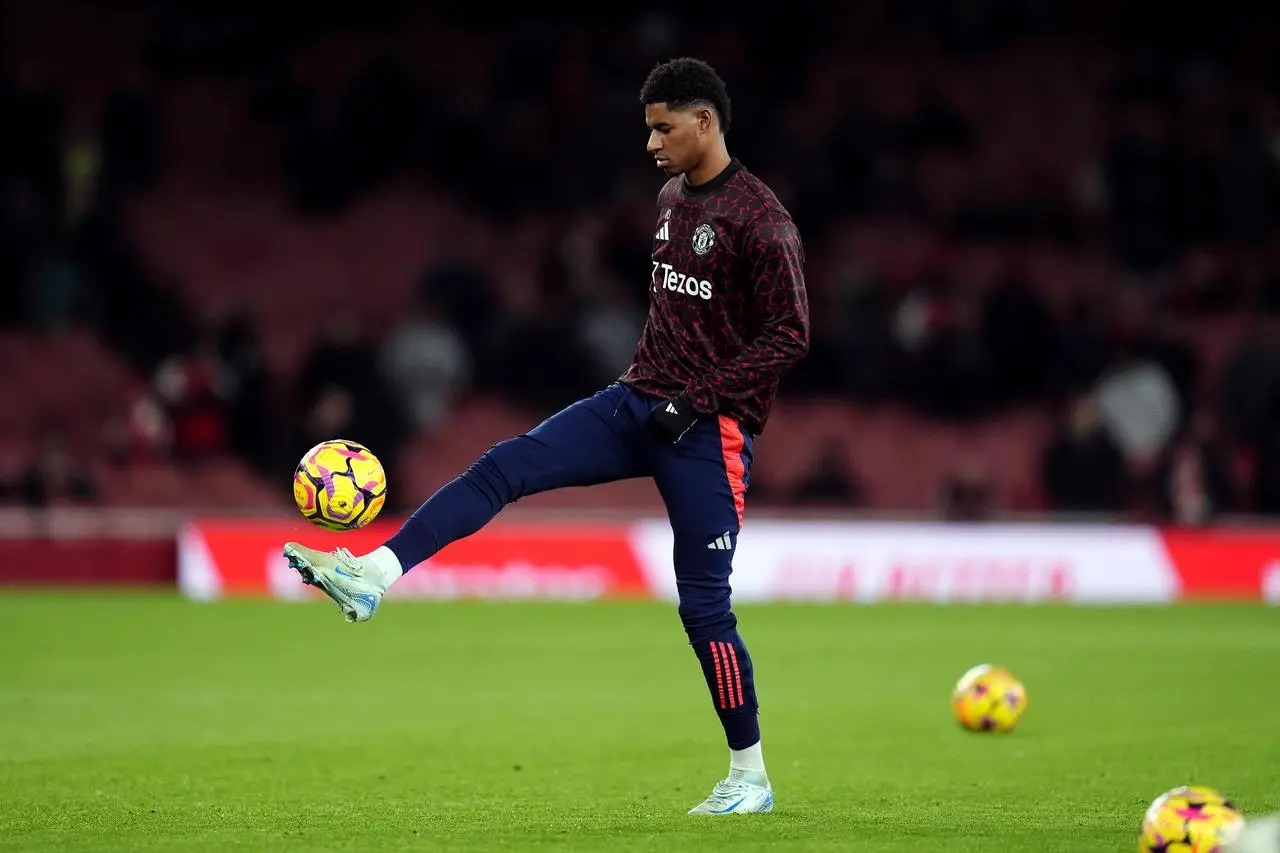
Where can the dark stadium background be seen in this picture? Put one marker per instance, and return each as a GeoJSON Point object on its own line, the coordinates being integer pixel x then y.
{"type": "Point", "coordinates": [227, 232]}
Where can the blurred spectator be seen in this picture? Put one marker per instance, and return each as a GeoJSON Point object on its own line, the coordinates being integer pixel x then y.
{"type": "Point", "coordinates": [870, 360]}
{"type": "Point", "coordinates": [55, 474]}
{"type": "Point", "coordinates": [250, 407]}
{"type": "Point", "coordinates": [143, 315]}
{"type": "Point", "coordinates": [607, 321]}
{"type": "Point", "coordinates": [82, 166]}
{"type": "Point", "coordinates": [425, 365]}
{"type": "Point", "coordinates": [1082, 355]}
{"type": "Point", "coordinates": [193, 387]}
{"type": "Point", "coordinates": [949, 371]}
{"type": "Point", "coordinates": [853, 339]}
{"type": "Point", "coordinates": [543, 365]}
{"type": "Point", "coordinates": [1264, 490]}
{"type": "Point", "coordinates": [139, 430]}
{"type": "Point", "coordinates": [1193, 478]}
{"type": "Point", "coordinates": [1204, 285]}
{"type": "Point", "coordinates": [20, 230]}
{"type": "Point", "coordinates": [1082, 469]}
{"type": "Point", "coordinates": [314, 171]}
{"type": "Point", "coordinates": [58, 292]}
{"type": "Point", "coordinates": [1249, 386]}
{"type": "Point", "coordinates": [1140, 328]}
{"type": "Point", "coordinates": [831, 480]}
{"type": "Point", "coordinates": [1019, 335]}
{"type": "Point", "coordinates": [1139, 173]}
{"type": "Point", "coordinates": [467, 296]}
{"type": "Point", "coordinates": [341, 381]}
{"type": "Point", "coordinates": [608, 328]}
{"type": "Point", "coordinates": [1139, 408]}
{"type": "Point", "coordinates": [332, 414]}
{"type": "Point", "coordinates": [967, 492]}
{"type": "Point", "coordinates": [832, 341]}
{"type": "Point", "coordinates": [340, 356]}
{"type": "Point", "coordinates": [1165, 344]}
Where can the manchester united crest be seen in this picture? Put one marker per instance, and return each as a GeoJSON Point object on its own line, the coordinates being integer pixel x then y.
{"type": "Point", "coordinates": [704, 237]}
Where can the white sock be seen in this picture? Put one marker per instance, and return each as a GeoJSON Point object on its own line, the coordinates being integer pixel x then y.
{"type": "Point", "coordinates": [384, 566]}
{"type": "Point", "coordinates": [748, 760]}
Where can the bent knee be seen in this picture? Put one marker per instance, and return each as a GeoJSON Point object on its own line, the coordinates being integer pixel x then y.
{"type": "Point", "coordinates": [499, 470]}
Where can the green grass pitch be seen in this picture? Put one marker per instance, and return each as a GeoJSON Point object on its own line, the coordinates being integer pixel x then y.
{"type": "Point", "coordinates": [142, 722]}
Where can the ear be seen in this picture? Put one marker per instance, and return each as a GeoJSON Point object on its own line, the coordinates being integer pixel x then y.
{"type": "Point", "coordinates": [706, 119]}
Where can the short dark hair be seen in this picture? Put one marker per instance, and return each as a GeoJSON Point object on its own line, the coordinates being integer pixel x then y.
{"type": "Point", "coordinates": [685, 82]}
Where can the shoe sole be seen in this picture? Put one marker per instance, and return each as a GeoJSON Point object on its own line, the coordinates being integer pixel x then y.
{"type": "Point", "coordinates": [765, 809]}
{"type": "Point", "coordinates": [313, 578]}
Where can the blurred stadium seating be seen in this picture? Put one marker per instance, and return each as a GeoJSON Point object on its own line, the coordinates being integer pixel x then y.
{"type": "Point", "coordinates": [201, 164]}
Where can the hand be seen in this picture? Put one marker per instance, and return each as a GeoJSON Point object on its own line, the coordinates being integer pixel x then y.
{"type": "Point", "coordinates": [671, 419]}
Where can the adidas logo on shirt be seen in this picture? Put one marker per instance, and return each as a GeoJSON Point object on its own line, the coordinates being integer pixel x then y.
{"type": "Point", "coordinates": [664, 233]}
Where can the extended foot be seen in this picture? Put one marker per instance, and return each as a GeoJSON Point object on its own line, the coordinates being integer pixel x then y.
{"type": "Point", "coordinates": [342, 576]}
{"type": "Point", "coordinates": [741, 793]}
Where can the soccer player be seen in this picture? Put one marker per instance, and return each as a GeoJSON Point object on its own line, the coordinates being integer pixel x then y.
{"type": "Point", "coordinates": [728, 315]}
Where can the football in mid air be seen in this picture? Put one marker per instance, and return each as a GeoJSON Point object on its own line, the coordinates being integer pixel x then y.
{"type": "Point", "coordinates": [339, 485]}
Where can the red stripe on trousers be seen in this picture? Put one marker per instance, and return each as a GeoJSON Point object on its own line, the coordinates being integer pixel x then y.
{"type": "Point", "coordinates": [737, 676]}
{"type": "Point", "coordinates": [725, 651]}
{"type": "Point", "coordinates": [715, 654]}
{"type": "Point", "coordinates": [731, 445]}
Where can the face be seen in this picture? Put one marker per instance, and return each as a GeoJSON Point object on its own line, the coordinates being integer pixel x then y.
{"type": "Point", "coordinates": [1084, 415]}
{"type": "Point", "coordinates": [677, 138]}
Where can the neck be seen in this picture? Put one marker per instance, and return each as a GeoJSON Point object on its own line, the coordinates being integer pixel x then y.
{"type": "Point", "coordinates": [712, 163]}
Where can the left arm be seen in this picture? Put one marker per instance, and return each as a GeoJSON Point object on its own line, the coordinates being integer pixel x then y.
{"type": "Point", "coordinates": [775, 257]}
